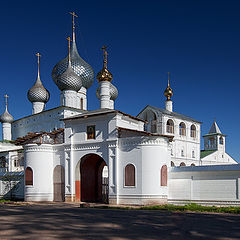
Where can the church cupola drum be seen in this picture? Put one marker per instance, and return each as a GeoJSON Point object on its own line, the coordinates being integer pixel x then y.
{"type": "Point", "coordinates": [168, 93]}
{"type": "Point", "coordinates": [6, 119]}
{"type": "Point", "coordinates": [106, 92]}
{"type": "Point", "coordinates": [79, 66]}
{"type": "Point", "coordinates": [38, 95]}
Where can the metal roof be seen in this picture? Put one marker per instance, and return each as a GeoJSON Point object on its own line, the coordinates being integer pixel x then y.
{"type": "Point", "coordinates": [173, 114]}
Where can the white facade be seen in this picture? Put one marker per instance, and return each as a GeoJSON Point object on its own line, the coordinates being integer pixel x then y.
{"type": "Point", "coordinates": [185, 148]}
{"type": "Point", "coordinates": [116, 151]}
{"type": "Point", "coordinates": [45, 121]}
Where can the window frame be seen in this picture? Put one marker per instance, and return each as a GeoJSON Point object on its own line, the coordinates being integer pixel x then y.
{"type": "Point", "coordinates": [135, 176]}
{"type": "Point", "coordinates": [26, 182]}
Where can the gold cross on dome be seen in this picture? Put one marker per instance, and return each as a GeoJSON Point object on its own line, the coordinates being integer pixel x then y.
{"type": "Point", "coordinates": [168, 79]}
{"type": "Point", "coordinates": [73, 15]}
{"type": "Point", "coordinates": [69, 46]}
{"type": "Point", "coordinates": [38, 59]}
{"type": "Point", "coordinates": [105, 53]}
{"type": "Point", "coordinates": [69, 42]}
{"type": "Point", "coordinates": [6, 97]}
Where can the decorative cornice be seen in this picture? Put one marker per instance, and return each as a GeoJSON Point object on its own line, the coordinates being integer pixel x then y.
{"type": "Point", "coordinates": [142, 141]}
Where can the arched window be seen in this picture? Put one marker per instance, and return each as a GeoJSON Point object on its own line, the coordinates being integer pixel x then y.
{"type": "Point", "coordinates": [193, 165]}
{"type": "Point", "coordinates": [193, 131]}
{"type": "Point", "coordinates": [81, 103]}
{"type": "Point", "coordinates": [164, 175]}
{"type": "Point", "coordinates": [193, 154]}
{"type": "Point", "coordinates": [170, 126]}
{"type": "Point", "coordinates": [130, 175]}
{"type": "Point", "coordinates": [182, 153]}
{"type": "Point", "coordinates": [172, 164]}
{"type": "Point", "coordinates": [28, 176]}
{"type": "Point", "coordinates": [221, 140]}
{"type": "Point", "coordinates": [151, 119]}
{"type": "Point", "coordinates": [182, 129]}
{"type": "Point", "coordinates": [182, 164]}
{"type": "Point", "coordinates": [3, 162]}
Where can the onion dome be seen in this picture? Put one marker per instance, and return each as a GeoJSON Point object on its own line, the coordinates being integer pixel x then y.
{"type": "Point", "coordinates": [69, 80]}
{"type": "Point", "coordinates": [79, 66]}
{"type": "Point", "coordinates": [6, 117]}
{"type": "Point", "coordinates": [113, 92]}
{"type": "Point", "coordinates": [104, 74]}
{"type": "Point", "coordinates": [38, 93]}
{"type": "Point", "coordinates": [168, 93]}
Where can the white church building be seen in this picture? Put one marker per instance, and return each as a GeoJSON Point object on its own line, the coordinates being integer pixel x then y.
{"type": "Point", "coordinates": [70, 153]}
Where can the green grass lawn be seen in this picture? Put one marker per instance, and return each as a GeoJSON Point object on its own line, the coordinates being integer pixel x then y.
{"type": "Point", "coordinates": [193, 207]}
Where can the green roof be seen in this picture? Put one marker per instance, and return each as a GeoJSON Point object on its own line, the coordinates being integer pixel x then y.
{"type": "Point", "coordinates": [205, 153]}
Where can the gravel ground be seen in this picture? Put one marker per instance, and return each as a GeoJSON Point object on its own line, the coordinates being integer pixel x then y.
{"type": "Point", "coordinates": [69, 221]}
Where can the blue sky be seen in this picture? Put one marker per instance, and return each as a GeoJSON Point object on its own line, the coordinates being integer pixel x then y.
{"type": "Point", "coordinates": [196, 41]}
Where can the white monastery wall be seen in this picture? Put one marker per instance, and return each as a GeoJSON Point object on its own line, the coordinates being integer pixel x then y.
{"type": "Point", "coordinates": [206, 185]}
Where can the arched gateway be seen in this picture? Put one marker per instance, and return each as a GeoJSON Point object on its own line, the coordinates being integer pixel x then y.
{"type": "Point", "coordinates": [90, 185]}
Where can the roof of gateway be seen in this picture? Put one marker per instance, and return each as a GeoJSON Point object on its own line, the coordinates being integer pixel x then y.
{"type": "Point", "coordinates": [125, 132]}
{"type": "Point", "coordinates": [100, 112]}
{"type": "Point", "coordinates": [205, 153]}
{"type": "Point", "coordinates": [174, 114]}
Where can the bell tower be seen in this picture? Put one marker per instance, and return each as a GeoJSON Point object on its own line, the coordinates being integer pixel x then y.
{"type": "Point", "coordinates": [214, 140]}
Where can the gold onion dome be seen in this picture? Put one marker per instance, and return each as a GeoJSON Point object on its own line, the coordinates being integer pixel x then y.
{"type": "Point", "coordinates": [104, 74]}
{"type": "Point", "coordinates": [38, 93]}
{"type": "Point", "coordinates": [168, 93]}
{"type": "Point", "coordinates": [79, 66]}
{"type": "Point", "coordinates": [69, 80]}
{"type": "Point", "coordinates": [6, 117]}
{"type": "Point", "coordinates": [113, 92]}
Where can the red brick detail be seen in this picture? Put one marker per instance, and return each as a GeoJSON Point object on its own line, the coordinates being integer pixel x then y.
{"type": "Point", "coordinates": [77, 191]}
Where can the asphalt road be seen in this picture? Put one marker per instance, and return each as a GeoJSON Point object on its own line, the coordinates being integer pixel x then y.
{"type": "Point", "coordinates": [68, 221]}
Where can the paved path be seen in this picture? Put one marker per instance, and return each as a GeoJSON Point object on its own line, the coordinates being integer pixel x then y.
{"type": "Point", "coordinates": [68, 221]}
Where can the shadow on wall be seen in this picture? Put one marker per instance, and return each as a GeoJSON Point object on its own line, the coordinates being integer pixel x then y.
{"type": "Point", "coordinates": [12, 187]}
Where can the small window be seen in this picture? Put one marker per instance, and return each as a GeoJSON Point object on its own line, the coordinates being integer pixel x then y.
{"type": "Point", "coordinates": [182, 129]}
{"type": "Point", "coordinates": [130, 175]}
{"type": "Point", "coordinates": [3, 162]}
{"type": "Point", "coordinates": [28, 176]}
{"type": "Point", "coordinates": [193, 154]}
{"type": "Point", "coordinates": [172, 164]}
{"type": "Point", "coordinates": [182, 153]}
{"type": "Point", "coordinates": [170, 126]}
{"type": "Point", "coordinates": [221, 140]}
{"type": "Point", "coordinates": [90, 132]}
{"type": "Point", "coordinates": [16, 163]}
{"type": "Point", "coordinates": [164, 175]}
{"type": "Point", "coordinates": [193, 131]}
{"type": "Point", "coordinates": [81, 103]}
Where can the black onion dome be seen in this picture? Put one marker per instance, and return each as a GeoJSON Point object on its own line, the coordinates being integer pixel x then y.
{"type": "Point", "coordinates": [79, 66]}
{"type": "Point", "coordinates": [38, 93]}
